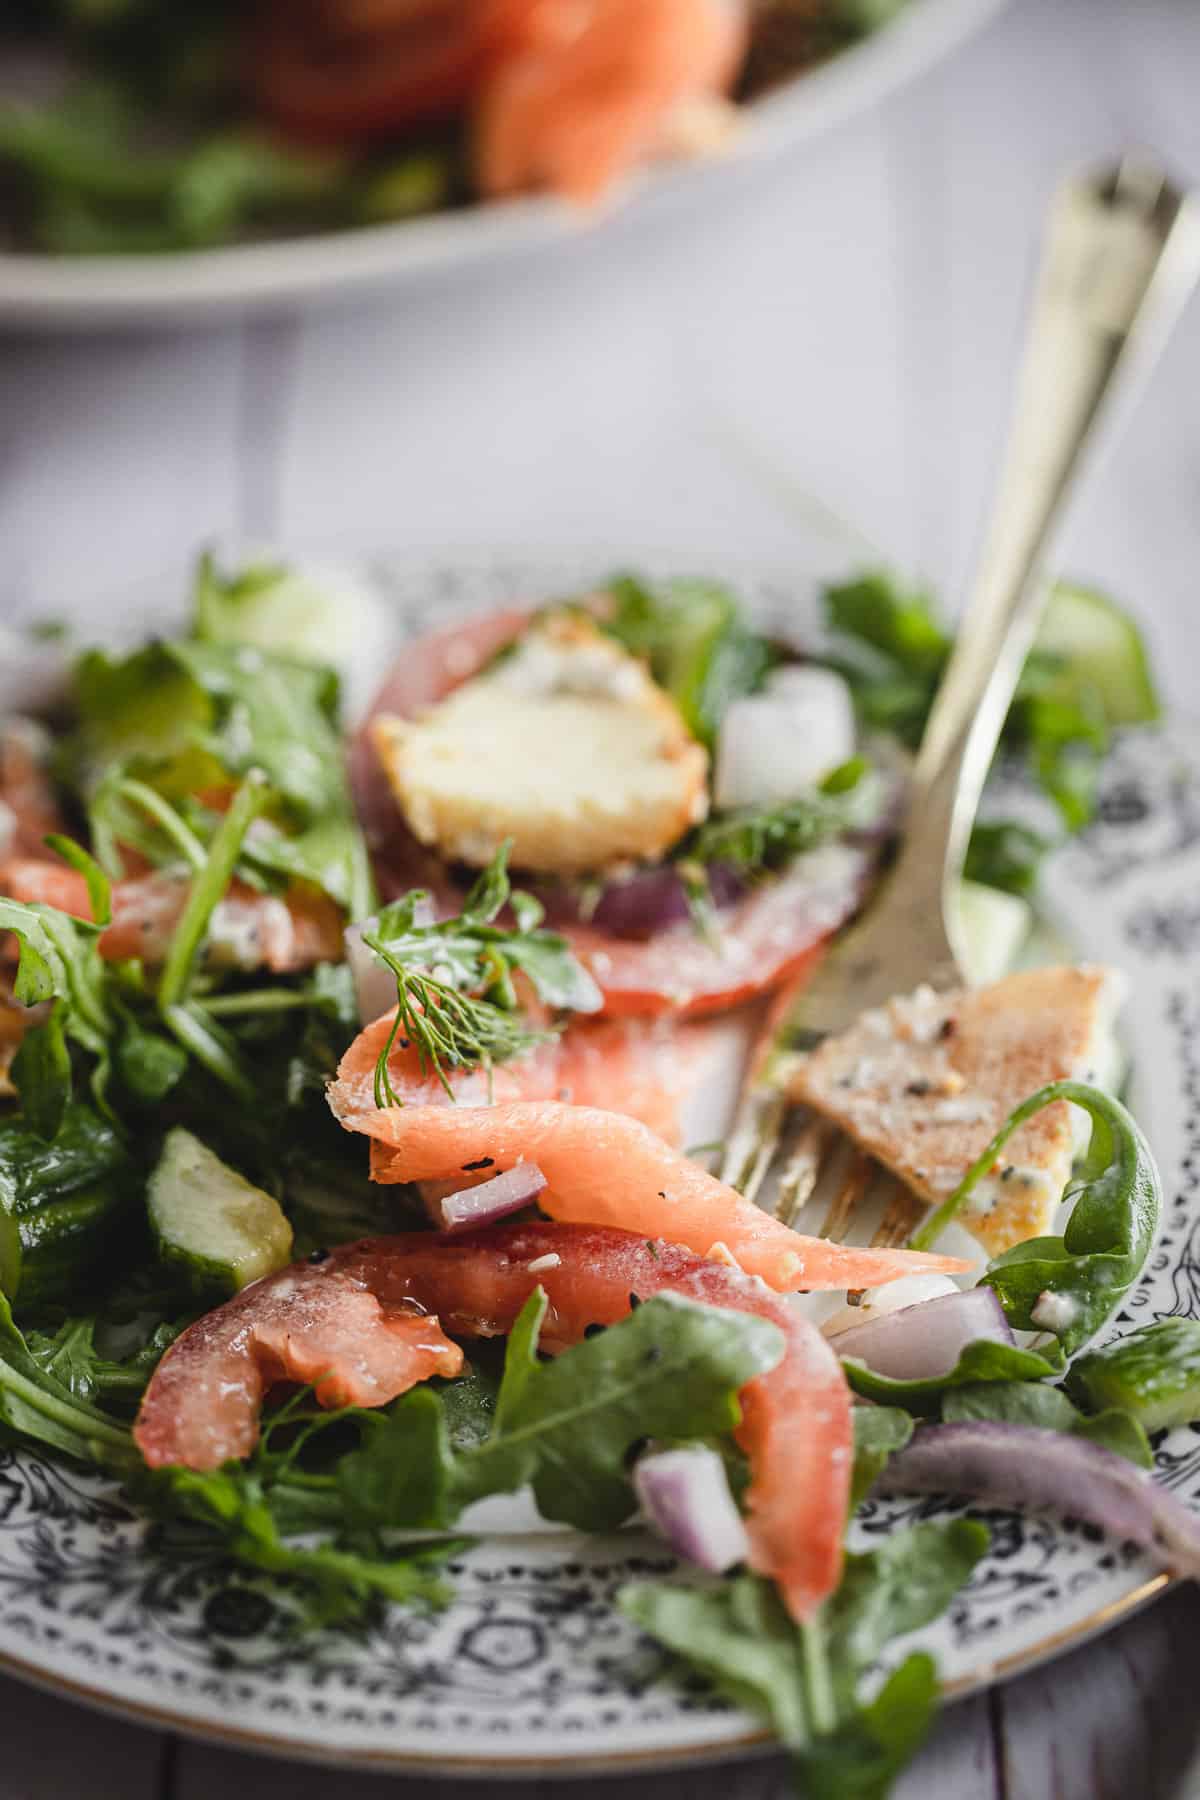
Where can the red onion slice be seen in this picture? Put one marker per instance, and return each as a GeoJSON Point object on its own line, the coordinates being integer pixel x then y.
{"type": "Point", "coordinates": [1029, 1469]}
{"type": "Point", "coordinates": [491, 1200]}
{"type": "Point", "coordinates": [921, 1342]}
{"type": "Point", "coordinates": [685, 1496]}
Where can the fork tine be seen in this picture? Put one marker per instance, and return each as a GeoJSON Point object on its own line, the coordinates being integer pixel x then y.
{"type": "Point", "coordinates": [754, 1140]}
{"type": "Point", "coordinates": [855, 1178]}
{"type": "Point", "coordinates": [802, 1170]}
{"type": "Point", "coordinates": [902, 1212]}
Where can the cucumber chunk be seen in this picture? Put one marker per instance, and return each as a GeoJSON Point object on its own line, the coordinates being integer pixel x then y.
{"type": "Point", "coordinates": [994, 926]}
{"type": "Point", "coordinates": [212, 1223]}
{"type": "Point", "coordinates": [1154, 1373]}
{"type": "Point", "coordinates": [1101, 652]}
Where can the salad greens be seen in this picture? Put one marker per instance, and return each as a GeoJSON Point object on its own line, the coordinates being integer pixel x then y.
{"type": "Point", "coordinates": [807, 1681]}
{"type": "Point", "coordinates": [982, 1362]}
{"type": "Point", "coordinates": [758, 841]}
{"type": "Point", "coordinates": [1068, 1286]}
{"type": "Point", "coordinates": [1082, 678]}
{"type": "Point", "coordinates": [158, 1091]}
{"type": "Point", "coordinates": [697, 645]}
{"type": "Point", "coordinates": [1152, 1373]}
{"type": "Point", "coordinates": [456, 998]}
{"type": "Point", "coordinates": [164, 139]}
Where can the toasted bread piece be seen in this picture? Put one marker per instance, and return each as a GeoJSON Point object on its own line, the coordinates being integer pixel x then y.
{"type": "Point", "coordinates": [565, 745]}
{"type": "Point", "coordinates": [926, 1081]}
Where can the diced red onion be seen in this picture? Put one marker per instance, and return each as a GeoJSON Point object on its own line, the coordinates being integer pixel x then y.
{"type": "Point", "coordinates": [685, 1496]}
{"type": "Point", "coordinates": [921, 1342]}
{"type": "Point", "coordinates": [639, 905]}
{"type": "Point", "coordinates": [1030, 1469]}
{"type": "Point", "coordinates": [491, 1200]}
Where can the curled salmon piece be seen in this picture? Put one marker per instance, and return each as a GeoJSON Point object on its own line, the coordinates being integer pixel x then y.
{"type": "Point", "coordinates": [604, 1168]}
{"type": "Point", "coordinates": [201, 1406]}
{"type": "Point", "coordinates": [643, 1068]}
{"type": "Point", "coordinates": [248, 929]}
{"type": "Point", "coordinates": [578, 95]}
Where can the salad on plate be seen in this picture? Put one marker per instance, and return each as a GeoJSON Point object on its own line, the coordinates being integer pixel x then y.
{"type": "Point", "coordinates": [351, 1067]}
{"type": "Point", "coordinates": [150, 125]}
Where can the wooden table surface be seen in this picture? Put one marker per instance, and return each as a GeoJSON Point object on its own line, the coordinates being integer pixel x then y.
{"type": "Point", "coordinates": [826, 349]}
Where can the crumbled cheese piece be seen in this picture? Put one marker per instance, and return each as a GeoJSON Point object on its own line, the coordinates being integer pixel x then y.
{"type": "Point", "coordinates": [1053, 1312]}
{"type": "Point", "coordinates": [721, 1253]}
{"type": "Point", "coordinates": [550, 1261]}
{"type": "Point", "coordinates": [565, 745]}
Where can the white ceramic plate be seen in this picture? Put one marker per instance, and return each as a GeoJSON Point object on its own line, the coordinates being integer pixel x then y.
{"type": "Point", "coordinates": [531, 1669]}
{"type": "Point", "coordinates": [86, 292]}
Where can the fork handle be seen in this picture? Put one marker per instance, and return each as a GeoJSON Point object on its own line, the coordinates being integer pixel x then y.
{"type": "Point", "coordinates": [1121, 255]}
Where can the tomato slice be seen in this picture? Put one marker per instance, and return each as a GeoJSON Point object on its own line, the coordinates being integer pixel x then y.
{"type": "Point", "coordinates": [369, 1320]}
{"type": "Point", "coordinates": [344, 75]}
{"type": "Point", "coordinates": [774, 935]}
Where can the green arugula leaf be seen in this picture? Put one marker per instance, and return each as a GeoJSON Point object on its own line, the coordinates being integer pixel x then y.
{"type": "Point", "coordinates": [70, 1355]}
{"type": "Point", "coordinates": [232, 1505]}
{"type": "Point", "coordinates": [891, 647]}
{"type": "Point", "coordinates": [695, 641]}
{"type": "Point", "coordinates": [1117, 1201]}
{"type": "Point", "coordinates": [672, 1370]}
{"type": "Point", "coordinates": [983, 1361]}
{"type": "Point", "coordinates": [1031, 1403]}
{"type": "Point", "coordinates": [404, 1469]}
{"type": "Point", "coordinates": [186, 717]}
{"type": "Point", "coordinates": [41, 1409]}
{"type": "Point", "coordinates": [862, 1757]}
{"type": "Point", "coordinates": [879, 1431]}
{"type": "Point", "coordinates": [59, 962]}
{"type": "Point", "coordinates": [806, 1681]}
{"type": "Point", "coordinates": [65, 1198]}
{"type": "Point", "coordinates": [905, 1583]}
{"type": "Point", "coordinates": [1004, 854]}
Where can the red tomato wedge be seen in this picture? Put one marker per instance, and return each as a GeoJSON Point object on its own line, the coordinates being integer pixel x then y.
{"type": "Point", "coordinates": [643, 1068]}
{"type": "Point", "coordinates": [604, 1168]}
{"type": "Point", "coordinates": [202, 1404]}
{"type": "Point", "coordinates": [306, 1324]}
{"type": "Point", "coordinates": [259, 930]}
{"type": "Point", "coordinates": [772, 936]}
{"type": "Point", "coordinates": [363, 71]}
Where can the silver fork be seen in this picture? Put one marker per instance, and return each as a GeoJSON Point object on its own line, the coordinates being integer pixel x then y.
{"type": "Point", "coordinates": [1121, 256]}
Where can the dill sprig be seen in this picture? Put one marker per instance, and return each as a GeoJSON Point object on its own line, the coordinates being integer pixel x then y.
{"type": "Point", "coordinates": [457, 1003]}
{"type": "Point", "coordinates": [759, 841]}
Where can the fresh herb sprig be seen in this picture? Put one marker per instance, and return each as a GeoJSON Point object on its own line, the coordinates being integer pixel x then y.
{"type": "Point", "coordinates": [892, 649]}
{"type": "Point", "coordinates": [457, 1003]}
{"type": "Point", "coordinates": [757, 841]}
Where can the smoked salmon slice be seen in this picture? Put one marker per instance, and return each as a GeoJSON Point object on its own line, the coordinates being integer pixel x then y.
{"type": "Point", "coordinates": [202, 1404]}
{"type": "Point", "coordinates": [585, 92]}
{"type": "Point", "coordinates": [604, 1168]}
{"type": "Point", "coordinates": [641, 1067]}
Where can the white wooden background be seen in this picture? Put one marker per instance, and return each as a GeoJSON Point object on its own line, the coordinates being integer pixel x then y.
{"type": "Point", "coordinates": [838, 334]}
